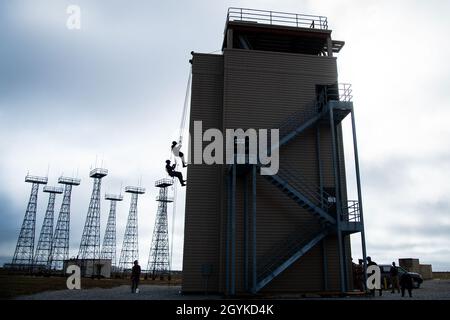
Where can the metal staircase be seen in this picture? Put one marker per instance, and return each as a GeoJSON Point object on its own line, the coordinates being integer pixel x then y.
{"type": "Point", "coordinates": [337, 97]}
{"type": "Point", "coordinates": [334, 215]}
{"type": "Point", "coordinates": [285, 255]}
{"type": "Point", "coordinates": [306, 197]}
{"type": "Point", "coordinates": [314, 200]}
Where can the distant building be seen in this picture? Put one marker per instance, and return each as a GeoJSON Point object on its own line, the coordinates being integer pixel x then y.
{"type": "Point", "coordinates": [413, 265]}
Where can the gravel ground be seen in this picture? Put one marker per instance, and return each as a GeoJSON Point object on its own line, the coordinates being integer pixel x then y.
{"type": "Point", "coordinates": [430, 290]}
{"type": "Point", "coordinates": [146, 292]}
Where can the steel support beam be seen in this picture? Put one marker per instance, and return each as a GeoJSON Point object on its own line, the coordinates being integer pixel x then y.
{"type": "Point", "coordinates": [233, 232]}
{"type": "Point", "coordinates": [340, 196]}
{"type": "Point", "coordinates": [228, 232]}
{"type": "Point", "coordinates": [358, 184]}
{"type": "Point", "coordinates": [254, 268]}
{"type": "Point", "coordinates": [246, 234]}
{"type": "Point", "coordinates": [319, 166]}
{"type": "Point", "coordinates": [338, 202]}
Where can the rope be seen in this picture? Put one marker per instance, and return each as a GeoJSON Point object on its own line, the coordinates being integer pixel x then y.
{"type": "Point", "coordinates": [174, 159]}
{"type": "Point", "coordinates": [186, 105]}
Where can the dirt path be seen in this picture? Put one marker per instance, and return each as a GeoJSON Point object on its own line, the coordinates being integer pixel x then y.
{"type": "Point", "coordinates": [146, 292]}
{"type": "Point", "coordinates": [430, 290]}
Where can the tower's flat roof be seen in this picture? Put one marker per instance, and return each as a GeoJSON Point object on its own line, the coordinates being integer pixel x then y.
{"type": "Point", "coordinates": [274, 31]}
{"type": "Point", "coordinates": [98, 173]}
{"type": "Point", "coordinates": [163, 183]}
{"type": "Point", "coordinates": [36, 179]}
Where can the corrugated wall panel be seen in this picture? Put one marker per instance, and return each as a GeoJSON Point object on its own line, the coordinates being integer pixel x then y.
{"type": "Point", "coordinates": [262, 89]}
{"type": "Point", "coordinates": [202, 218]}
{"type": "Point", "coordinates": [255, 89]}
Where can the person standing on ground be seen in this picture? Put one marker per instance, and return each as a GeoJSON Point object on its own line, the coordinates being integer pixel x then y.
{"type": "Point", "coordinates": [394, 278]}
{"type": "Point", "coordinates": [406, 283]}
{"type": "Point", "coordinates": [135, 276]}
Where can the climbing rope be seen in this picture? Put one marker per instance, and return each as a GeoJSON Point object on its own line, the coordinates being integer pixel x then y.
{"type": "Point", "coordinates": [174, 159]}
{"type": "Point", "coordinates": [186, 106]}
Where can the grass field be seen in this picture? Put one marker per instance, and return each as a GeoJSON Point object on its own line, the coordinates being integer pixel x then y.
{"type": "Point", "coordinates": [12, 285]}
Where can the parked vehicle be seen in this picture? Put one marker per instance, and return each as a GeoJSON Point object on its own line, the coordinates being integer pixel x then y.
{"type": "Point", "coordinates": [386, 274]}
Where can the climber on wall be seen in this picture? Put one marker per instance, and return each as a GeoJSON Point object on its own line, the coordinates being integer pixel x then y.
{"type": "Point", "coordinates": [171, 171]}
{"type": "Point", "coordinates": [177, 153]}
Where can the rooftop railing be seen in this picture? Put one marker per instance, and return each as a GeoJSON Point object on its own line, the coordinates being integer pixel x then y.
{"type": "Point", "coordinates": [165, 182]}
{"type": "Point", "coordinates": [277, 18]}
{"type": "Point", "coordinates": [98, 172]}
{"type": "Point", "coordinates": [345, 92]}
{"type": "Point", "coordinates": [36, 179]}
{"type": "Point", "coordinates": [338, 92]}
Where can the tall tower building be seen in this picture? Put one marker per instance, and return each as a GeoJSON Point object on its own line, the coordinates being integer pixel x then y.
{"type": "Point", "coordinates": [289, 231]}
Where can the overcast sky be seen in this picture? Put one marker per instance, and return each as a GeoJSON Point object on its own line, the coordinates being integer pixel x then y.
{"type": "Point", "coordinates": [114, 90]}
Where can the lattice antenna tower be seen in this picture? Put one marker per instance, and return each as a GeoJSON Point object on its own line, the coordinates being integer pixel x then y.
{"type": "Point", "coordinates": [159, 256]}
{"type": "Point", "coordinates": [44, 245]}
{"type": "Point", "coordinates": [130, 246]}
{"type": "Point", "coordinates": [23, 254]}
{"type": "Point", "coordinates": [109, 240]}
{"type": "Point", "coordinates": [90, 240]}
{"type": "Point", "coordinates": [61, 236]}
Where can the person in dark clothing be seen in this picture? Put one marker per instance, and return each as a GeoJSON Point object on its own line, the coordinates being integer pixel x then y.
{"type": "Point", "coordinates": [177, 153]}
{"type": "Point", "coordinates": [373, 263]}
{"type": "Point", "coordinates": [394, 278]}
{"type": "Point", "coordinates": [135, 276]}
{"type": "Point", "coordinates": [406, 283]}
{"type": "Point", "coordinates": [171, 171]}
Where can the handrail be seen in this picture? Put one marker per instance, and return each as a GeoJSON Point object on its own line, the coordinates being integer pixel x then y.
{"type": "Point", "coordinates": [340, 92]}
{"type": "Point", "coordinates": [36, 179]}
{"type": "Point", "coordinates": [337, 92]}
{"type": "Point", "coordinates": [295, 178]}
{"type": "Point", "coordinates": [351, 212]}
{"type": "Point", "coordinates": [277, 18]}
